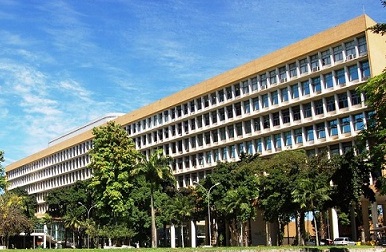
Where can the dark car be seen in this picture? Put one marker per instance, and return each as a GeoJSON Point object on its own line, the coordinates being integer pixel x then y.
{"type": "Point", "coordinates": [382, 241]}
{"type": "Point", "coordinates": [327, 241]}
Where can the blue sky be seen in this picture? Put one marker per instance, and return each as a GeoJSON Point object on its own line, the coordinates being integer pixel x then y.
{"type": "Point", "coordinates": [65, 63]}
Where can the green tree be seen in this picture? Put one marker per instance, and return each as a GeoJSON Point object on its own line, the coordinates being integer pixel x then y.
{"type": "Point", "coordinates": [241, 200]}
{"type": "Point", "coordinates": [351, 181]}
{"type": "Point", "coordinates": [374, 136]}
{"type": "Point", "coordinates": [312, 189]}
{"type": "Point", "coordinates": [12, 218]}
{"type": "Point", "coordinates": [72, 221]}
{"type": "Point", "coordinates": [29, 203]}
{"type": "Point", "coordinates": [221, 176]}
{"type": "Point", "coordinates": [3, 180]}
{"type": "Point", "coordinates": [278, 175]}
{"type": "Point", "coordinates": [234, 198]}
{"type": "Point", "coordinates": [180, 209]}
{"type": "Point", "coordinates": [118, 233]}
{"type": "Point", "coordinates": [113, 158]}
{"type": "Point", "coordinates": [156, 171]}
{"type": "Point", "coordinates": [64, 204]}
{"type": "Point", "coordinates": [62, 200]}
{"type": "Point", "coordinates": [379, 28]}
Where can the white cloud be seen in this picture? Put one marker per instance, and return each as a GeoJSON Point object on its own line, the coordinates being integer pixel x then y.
{"type": "Point", "coordinates": [11, 39]}
{"type": "Point", "coordinates": [75, 89]}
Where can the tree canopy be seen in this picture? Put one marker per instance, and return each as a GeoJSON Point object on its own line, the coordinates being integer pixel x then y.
{"type": "Point", "coordinates": [3, 181]}
{"type": "Point", "coordinates": [374, 136]}
{"type": "Point", "coordinates": [156, 171]}
{"type": "Point", "coordinates": [379, 28]}
{"type": "Point", "coordinates": [113, 158]}
{"type": "Point", "coordinates": [12, 218]}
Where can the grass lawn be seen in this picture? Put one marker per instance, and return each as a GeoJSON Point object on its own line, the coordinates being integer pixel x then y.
{"type": "Point", "coordinates": [218, 249]}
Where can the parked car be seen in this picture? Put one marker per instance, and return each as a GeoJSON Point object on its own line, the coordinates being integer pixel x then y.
{"type": "Point", "coordinates": [382, 241]}
{"type": "Point", "coordinates": [343, 241]}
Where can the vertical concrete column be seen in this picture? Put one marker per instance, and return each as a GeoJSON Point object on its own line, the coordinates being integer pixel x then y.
{"type": "Point", "coordinates": [45, 236]}
{"type": "Point", "coordinates": [172, 236]}
{"type": "Point", "coordinates": [56, 235]}
{"type": "Point", "coordinates": [334, 223]}
{"type": "Point", "coordinates": [365, 217]}
{"type": "Point", "coordinates": [193, 234]}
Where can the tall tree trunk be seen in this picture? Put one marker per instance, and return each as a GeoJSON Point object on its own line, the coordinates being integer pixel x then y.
{"type": "Point", "coordinates": [234, 233]}
{"type": "Point", "coordinates": [281, 227]}
{"type": "Point", "coordinates": [322, 226]}
{"type": "Point", "coordinates": [316, 229]}
{"type": "Point", "coordinates": [182, 236]}
{"type": "Point", "coordinates": [241, 238]}
{"type": "Point", "coordinates": [246, 234]}
{"type": "Point", "coordinates": [298, 230]}
{"type": "Point", "coordinates": [353, 222]}
{"type": "Point", "coordinates": [268, 234]}
{"type": "Point", "coordinates": [302, 228]}
{"type": "Point", "coordinates": [73, 239]}
{"type": "Point", "coordinates": [153, 227]}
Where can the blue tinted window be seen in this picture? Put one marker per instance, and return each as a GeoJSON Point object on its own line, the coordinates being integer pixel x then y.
{"type": "Point", "coordinates": [316, 87]}
{"type": "Point", "coordinates": [340, 78]}
{"type": "Point", "coordinates": [284, 94]}
{"type": "Point", "coordinates": [328, 83]}
{"type": "Point", "coordinates": [310, 133]}
{"type": "Point", "coordinates": [294, 91]}
{"type": "Point", "coordinates": [305, 88]}
{"type": "Point", "coordinates": [353, 72]}
{"type": "Point", "coordinates": [345, 124]}
{"type": "Point", "coordinates": [274, 98]}
{"type": "Point", "coordinates": [265, 101]}
{"type": "Point", "coordinates": [267, 143]}
{"type": "Point", "coordinates": [298, 136]}
{"type": "Point", "coordinates": [358, 122]}
{"type": "Point", "coordinates": [333, 128]}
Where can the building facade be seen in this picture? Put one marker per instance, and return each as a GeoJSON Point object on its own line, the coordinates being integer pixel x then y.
{"type": "Point", "coordinates": [301, 96]}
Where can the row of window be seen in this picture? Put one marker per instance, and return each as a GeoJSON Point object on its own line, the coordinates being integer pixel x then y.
{"type": "Point", "coordinates": [64, 155]}
{"type": "Point", "coordinates": [291, 114]}
{"type": "Point", "coordinates": [296, 136]}
{"type": "Point", "coordinates": [276, 97]}
{"type": "Point", "coordinates": [54, 170]}
{"type": "Point", "coordinates": [65, 179]}
{"type": "Point", "coordinates": [350, 73]}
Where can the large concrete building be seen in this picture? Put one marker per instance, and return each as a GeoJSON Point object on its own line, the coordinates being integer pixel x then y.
{"type": "Point", "coordinates": [301, 96]}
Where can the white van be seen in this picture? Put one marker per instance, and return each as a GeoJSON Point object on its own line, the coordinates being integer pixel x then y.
{"type": "Point", "coordinates": [343, 241]}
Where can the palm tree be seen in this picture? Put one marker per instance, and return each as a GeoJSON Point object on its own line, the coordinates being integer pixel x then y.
{"type": "Point", "coordinates": [156, 171]}
{"type": "Point", "coordinates": [72, 222]}
{"type": "Point", "coordinates": [310, 195]}
{"type": "Point", "coordinates": [182, 208]}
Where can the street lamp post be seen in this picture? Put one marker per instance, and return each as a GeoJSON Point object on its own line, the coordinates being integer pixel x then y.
{"type": "Point", "coordinates": [88, 218]}
{"type": "Point", "coordinates": [208, 198]}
